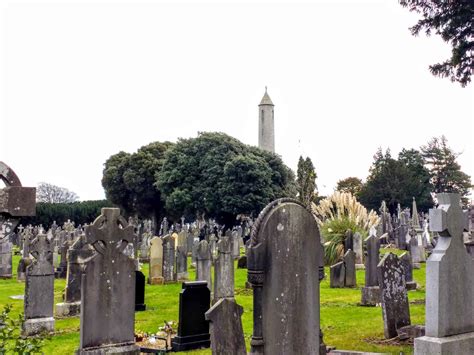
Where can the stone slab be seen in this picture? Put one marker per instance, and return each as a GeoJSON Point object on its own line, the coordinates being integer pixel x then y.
{"type": "Point", "coordinates": [37, 326]}
{"type": "Point", "coordinates": [455, 344]}
{"type": "Point", "coordinates": [68, 309]}
{"type": "Point", "coordinates": [129, 349]}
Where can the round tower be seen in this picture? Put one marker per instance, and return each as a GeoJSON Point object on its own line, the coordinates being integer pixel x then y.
{"type": "Point", "coordinates": [266, 124]}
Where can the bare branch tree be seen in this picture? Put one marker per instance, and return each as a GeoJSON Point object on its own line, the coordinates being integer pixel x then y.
{"type": "Point", "coordinates": [54, 194]}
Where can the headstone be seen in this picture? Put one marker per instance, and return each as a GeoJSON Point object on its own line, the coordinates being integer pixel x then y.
{"type": "Point", "coordinates": [371, 290]}
{"type": "Point", "coordinates": [182, 241]}
{"type": "Point", "coordinates": [169, 272]}
{"type": "Point", "coordinates": [227, 335]}
{"type": "Point", "coordinates": [242, 262]}
{"type": "Point", "coordinates": [283, 264]}
{"type": "Point", "coordinates": [108, 288]}
{"type": "Point", "coordinates": [224, 270]}
{"type": "Point", "coordinates": [61, 271]}
{"type": "Point", "coordinates": [39, 288]}
{"type": "Point", "coordinates": [156, 262]}
{"type": "Point", "coordinates": [194, 252]}
{"type": "Point", "coordinates": [350, 269]}
{"type": "Point", "coordinates": [193, 328]}
{"type": "Point", "coordinates": [449, 284]}
{"type": "Point", "coordinates": [235, 245]}
{"type": "Point", "coordinates": [405, 260]}
{"type": "Point", "coordinates": [182, 263]}
{"type": "Point", "coordinates": [139, 291]}
{"type": "Point", "coordinates": [189, 242]}
{"type": "Point", "coordinates": [25, 259]}
{"type": "Point", "coordinates": [358, 250]}
{"type": "Point", "coordinates": [203, 264]}
{"type": "Point", "coordinates": [415, 251]}
{"type": "Point", "coordinates": [395, 308]}
{"type": "Point", "coordinates": [348, 241]}
{"type": "Point", "coordinates": [77, 255]}
{"type": "Point", "coordinates": [337, 275]}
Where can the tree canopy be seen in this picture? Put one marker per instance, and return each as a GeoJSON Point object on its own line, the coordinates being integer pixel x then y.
{"type": "Point", "coordinates": [454, 22]}
{"type": "Point", "coordinates": [54, 194]}
{"type": "Point", "coordinates": [306, 181]}
{"type": "Point", "coordinates": [217, 176]}
{"type": "Point", "coordinates": [351, 184]}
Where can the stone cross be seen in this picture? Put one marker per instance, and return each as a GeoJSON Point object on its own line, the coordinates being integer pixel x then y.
{"type": "Point", "coordinates": [449, 284]}
{"type": "Point", "coordinates": [108, 287]}
{"type": "Point", "coordinates": [39, 288]}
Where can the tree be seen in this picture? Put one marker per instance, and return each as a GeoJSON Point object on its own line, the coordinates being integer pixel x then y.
{"type": "Point", "coordinates": [454, 22]}
{"type": "Point", "coordinates": [54, 194]}
{"type": "Point", "coordinates": [129, 180]}
{"type": "Point", "coordinates": [350, 184]}
{"type": "Point", "coordinates": [306, 181]}
{"type": "Point", "coordinates": [217, 176]}
{"type": "Point", "coordinates": [445, 172]}
{"type": "Point", "coordinates": [396, 181]}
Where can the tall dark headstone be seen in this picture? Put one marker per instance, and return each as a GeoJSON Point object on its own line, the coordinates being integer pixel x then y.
{"type": "Point", "coordinates": [405, 260]}
{"type": "Point", "coordinates": [371, 291]}
{"type": "Point", "coordinates": [337, 275]}
{"type": "Point", "coordinates": [139, 291]}
{"type": "Point", "coordinates": [193, 328]}
{"type": "Point", "coordinates": [39, 288]}
{"type": "Point", "coordinates": [108, 288]}
{"type": "Point", "coordinates": [395, 308]}
{"type": "Point", "coordinates": [283, 263]}
{"type": "Point", "coordinates": [349, 259]}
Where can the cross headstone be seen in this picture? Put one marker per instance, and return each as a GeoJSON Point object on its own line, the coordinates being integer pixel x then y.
{"type": "Point", "coordinates": [108, 288]}
{"type": "Point", "coordinates": [283, 263]}
{"type": "Point", "coordinates": [449, 284]}
{"type": "Point", "coordinates": [39, 288]}
{"type": "Point", "coordinates": [395, 308]}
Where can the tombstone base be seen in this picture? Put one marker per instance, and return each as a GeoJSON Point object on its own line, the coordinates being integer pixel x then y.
{"type": "Point", "coordinates": [7, 276]}
{"type": "Point", "coordinates": [191, 342]}
{"type": "Point", "coordinates": [371, 296]}
{"type": "Point", "coordinates": [156, 280]}
{"type": "Point", "coordinates": [67, 309]}
{"type": "Point", "coordinates": [360, 267]}
{"type": "Point", "coordinates": [38, 325]}
{"type": "Point", "coordinates": [183, 276]}
{"type": "Point", "coordinates": [129, 349]}
{"type": "Point", "coordinates": [455, 344]}
{"type": "Point", "coordinates": [140, 307]}
{"type": "Point", "coordinates": [411, 285]}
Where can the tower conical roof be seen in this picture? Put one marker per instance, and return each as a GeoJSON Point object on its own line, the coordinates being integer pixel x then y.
{"type": "Point", "coordinates": [266, 99]}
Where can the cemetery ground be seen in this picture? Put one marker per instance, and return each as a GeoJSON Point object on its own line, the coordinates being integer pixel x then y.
{"type": "Point", "coordinates": [345, 324]}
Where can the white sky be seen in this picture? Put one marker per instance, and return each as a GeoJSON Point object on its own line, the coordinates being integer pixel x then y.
{"type": "Point", "coordinates": [81, 81]}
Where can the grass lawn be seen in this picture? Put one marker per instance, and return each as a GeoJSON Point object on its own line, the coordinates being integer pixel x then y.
{"type": "Point", "coordinates": [344, 324]}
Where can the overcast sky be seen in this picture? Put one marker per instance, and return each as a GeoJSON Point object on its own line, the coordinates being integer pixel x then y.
{"type": "Point", "coordinates": [81, 81]}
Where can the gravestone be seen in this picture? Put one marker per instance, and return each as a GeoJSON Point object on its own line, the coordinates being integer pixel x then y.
{"type": "Point", "coordinates": [77, 255]}
{"type": "Point", "coordinates": [227, 335]}
{"type": "Point", "coordinates": [203, 263]}
{"type": "Point", "coordinates": [350, 269]}
{"type": "Point", "coordinates": [169, 272]}
{"type": "Point", "coordinates": [193, 328]}
{"type": "Point", "coordinates": [371, 290]}
{"type": "Point", "coordinates": [194, 252]}
{"type": "Point", "coordinates": [181, 241]}
{"type": "Point", "coordinates": [15, 202]}
{"type": "Point", "coordinates": [139, 291]}
{"type": "Point", "coordinates": [405, 260]}
{"type": "Point", "coordinates": [182, 263]}
{"type": "Point", "coordinates": [283, 263]}
{"type": "Point", "coordinates": [61, 271]}
{"type": "Point", "coordinates": [189, 242]}
{"type": "Point", "coordinates": [415, 251]}
{"type": "Point", "coordinates": [358, 250]}
{"type": "Point", "coordinates": [395, 308]}
{"type": "Point", "coordinates": [224, 270]}
{"type": "Point", "coordinates": [39, 288]}
{"type": "Point", "coordinates": [156, 262]}
{"type": "Point", "coordinates": [449, 284]}
{"type": "Point", "coordinates": [242, 262]}
{"type": "Point", "coordinates": [25, 259]}
{"type": "Point", "coordinates": [348, 241]}
{"type": "Point", "coordinates": [108, 288]}
{"type": "Point", "coordinates": [235, 244]}
{"type": "Point", "coordinates": [337, 275]}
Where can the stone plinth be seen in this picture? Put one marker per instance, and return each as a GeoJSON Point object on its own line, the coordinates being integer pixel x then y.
{"type": "Point", "coordinates": [38, 326]}
{"type": "Point", "coordinates": [66, 309]}
{"type": "Point", "coordinates": [455, 344]}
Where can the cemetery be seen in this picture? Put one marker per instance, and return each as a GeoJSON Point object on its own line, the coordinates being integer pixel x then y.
{"type": "Point", "coordinates": [195, 240]}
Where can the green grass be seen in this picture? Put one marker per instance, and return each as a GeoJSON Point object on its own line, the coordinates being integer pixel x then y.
{"type": "Point", "coordinates": [345, 324]}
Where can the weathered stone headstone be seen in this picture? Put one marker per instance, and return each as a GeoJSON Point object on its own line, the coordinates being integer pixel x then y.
{"type": "Point", "coordinates": [203, 263]}
{"type": "Point", "coordinates": [61, 271]}
{"type": "Point", "coordinates": [193, 328]}
{"type": "Point", "coordinates": [350, 269]}
{"type": "Point", "coordinates": [235, 244]}
{"type": "Point", "coordinates": [449, 284]}
{"type": "Point", "coordinates": [77, 255]}
{"type": "Point", "coordinates": [337, 275]}
{"type": "Point", "coordinates": [415, 251]}
{"type": "Point", "coordinates": [224, 270]}
{"type": "Point", "coordinates": [405, 260]}
{"type": "Point", "coordinates": [108, 288]}
{"type": "Point", "coordinates": [371, 290]}
{"type": "Point", "coordinates": [358, 250]}
{"type": "Point", "coordinates": [169, 272]}
{"type": "Point", "coordinates": [348, 241]}
{"type": "Point", "coordinates": [189, 242]}
{"type": "Point", "coordinates": [156, 262]}
{"type": "Point", "coordinates": [227, 335]}
{"type": "Point", "coordinates": [139, 291]}
{"type": "Point", "coordinates": [182, 263]}
{"type": "Point", "coordinates": [395, 308]}
{"type": "Point", "coordinates": [283, 264]}
{"type": "Point", "coordinates": [25, 258]}
{"type": "Point", "coordinates": [39, 288]}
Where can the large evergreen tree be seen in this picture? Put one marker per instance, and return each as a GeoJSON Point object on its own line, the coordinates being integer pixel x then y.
{"type": "Point", "coordinates": [351, 184]}
{"type": "Point", "coordinates": [306, 181]}
{"type": "Point", "coordinates": [445, 172]}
